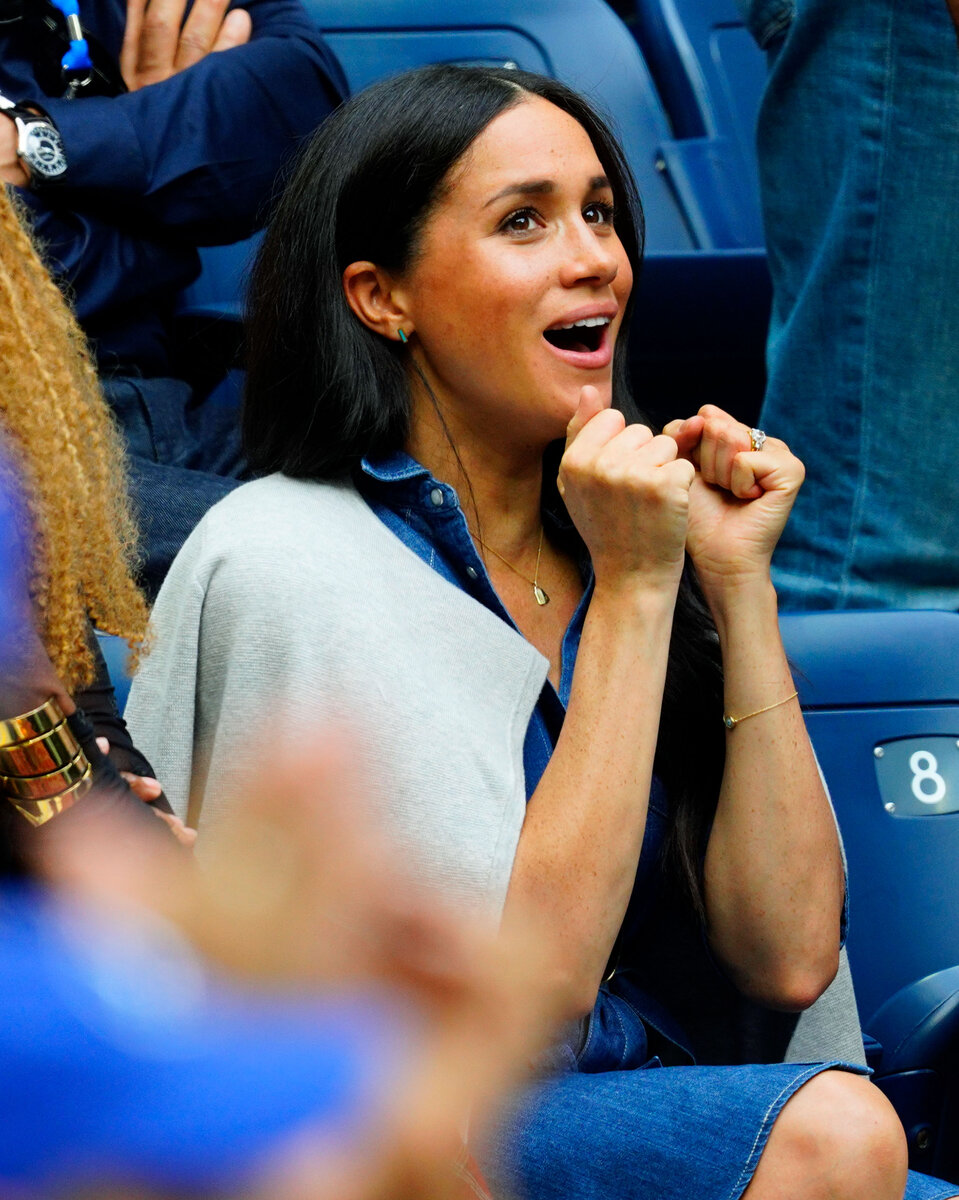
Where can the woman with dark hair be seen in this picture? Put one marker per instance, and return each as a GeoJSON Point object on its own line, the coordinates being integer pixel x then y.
{"type": "Point", "coordinates": [564, 656]}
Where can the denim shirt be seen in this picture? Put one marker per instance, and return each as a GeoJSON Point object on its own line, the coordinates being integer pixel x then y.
{"type": "Point", "coordinates": [427, 517]}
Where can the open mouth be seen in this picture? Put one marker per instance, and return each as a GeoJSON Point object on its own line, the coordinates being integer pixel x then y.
{"type": "Point", "coordinates": [583, 337]}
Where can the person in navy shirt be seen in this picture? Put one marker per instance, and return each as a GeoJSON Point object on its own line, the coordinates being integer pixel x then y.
{"type": "Point", "coordinates": [172, 139]}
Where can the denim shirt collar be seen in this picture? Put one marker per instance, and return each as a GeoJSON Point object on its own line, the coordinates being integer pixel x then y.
{"type": "Point", "coordinates": [426, 515]}
{"type": "Point", "coordinates": [409, 484]}
{"type": "Point", "coordinates": [395, 467]}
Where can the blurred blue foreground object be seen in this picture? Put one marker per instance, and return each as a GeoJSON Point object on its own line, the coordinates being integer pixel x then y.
{"type": "Point", "coordinates": [126, 1059]}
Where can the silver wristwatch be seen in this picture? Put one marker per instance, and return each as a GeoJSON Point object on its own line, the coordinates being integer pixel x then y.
{"type": "Point", "coordinates": [38, 142]}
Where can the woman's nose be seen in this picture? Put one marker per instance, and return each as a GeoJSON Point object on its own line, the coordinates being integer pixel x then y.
{"type": "Point", "coordinates": [589, 257]}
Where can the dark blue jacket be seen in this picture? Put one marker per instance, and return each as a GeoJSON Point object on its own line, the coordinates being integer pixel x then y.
{"type": "Point", "coordinates": [155, 173]}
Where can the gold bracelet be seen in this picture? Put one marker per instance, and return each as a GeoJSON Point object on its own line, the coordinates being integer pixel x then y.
{"type": "Point", "coordinates": [732, 722]}
{"type": "Point", "coordinates": [45, 787]}
{"type": "Point", "coordinates": [40, 755]}
{"type": "Point", "coordinates": [38, 812]}
{"type": "Point", "coordinates": [39, 721]}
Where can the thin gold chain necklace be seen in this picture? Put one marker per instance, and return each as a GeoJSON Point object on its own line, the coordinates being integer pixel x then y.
{"type": "Point", "coordinates": [541, 596]}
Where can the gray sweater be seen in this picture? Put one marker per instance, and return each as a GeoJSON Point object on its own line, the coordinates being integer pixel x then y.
{"type": "Point", "coordinates": [292, 604]}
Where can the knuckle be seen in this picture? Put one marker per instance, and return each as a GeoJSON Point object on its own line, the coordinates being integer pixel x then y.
{"type": "Point", "coordinates": [712, 429]}
{"type": "Point", "coordinates": [729, 436]}
{"type": "Point", "coordinates": [573, 469]}
{"type": "Point", "coordinates": [665, 445]}
{"type": "Point", "coordinates": [611, 419]}
{"type": "Point", "coordinates": [194, 42]}
{"type": "Point", "coordinates": [156, 24]}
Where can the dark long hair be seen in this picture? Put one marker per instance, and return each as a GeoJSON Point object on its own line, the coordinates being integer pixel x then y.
{"type": "Point", "coordinates": [323, 390]}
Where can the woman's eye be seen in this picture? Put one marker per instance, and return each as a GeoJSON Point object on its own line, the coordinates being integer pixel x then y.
{"type": "Point", "coordinates": [524, 220]}
{"type": "Point", "coordinates": [598, 213]}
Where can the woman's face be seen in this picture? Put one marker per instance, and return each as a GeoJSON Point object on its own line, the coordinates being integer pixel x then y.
{"type": "Point", "coordinates": [517, 292]}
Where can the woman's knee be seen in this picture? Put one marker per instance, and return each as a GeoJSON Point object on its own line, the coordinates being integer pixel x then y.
{"type": "Point", "coordinates": [837, 1138]}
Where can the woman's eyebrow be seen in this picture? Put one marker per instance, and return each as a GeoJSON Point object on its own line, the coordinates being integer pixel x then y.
{"type": "Point", "coordinates": [532, 187]}
{"type": "Point", "coordinates": [541, 187]}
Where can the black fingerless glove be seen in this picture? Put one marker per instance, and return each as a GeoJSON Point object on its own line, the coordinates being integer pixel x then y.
{"type": "Point", "coordinates": [110, 792]}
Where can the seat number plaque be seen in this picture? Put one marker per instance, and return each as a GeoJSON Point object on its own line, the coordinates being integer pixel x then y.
{"type": "Point", "coordinates": [918, 776]}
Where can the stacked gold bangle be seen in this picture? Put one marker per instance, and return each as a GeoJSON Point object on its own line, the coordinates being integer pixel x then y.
{"type": "Point", "coordinates": [43, 769]}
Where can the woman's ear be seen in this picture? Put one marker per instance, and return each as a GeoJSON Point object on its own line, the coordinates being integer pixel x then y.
{"type": "Point", "coordinates": [374, 297]}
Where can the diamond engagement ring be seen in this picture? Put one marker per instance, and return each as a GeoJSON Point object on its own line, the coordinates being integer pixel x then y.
{"type": "Point", "coordinates": [757, 439]}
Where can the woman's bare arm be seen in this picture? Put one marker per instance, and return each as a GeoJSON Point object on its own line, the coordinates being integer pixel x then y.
{"type": "Point", "coordinates": [773, 870]}
{"type": "Point", "coordinates": [580, 844]}
{"type": "Point", "coordinates": [773, 873]}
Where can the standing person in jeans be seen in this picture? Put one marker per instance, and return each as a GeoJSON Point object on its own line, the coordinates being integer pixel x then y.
{"type": "Point", "coordinates": [170, 138]}
{"type": "Point", "coordinates": [859, 165]}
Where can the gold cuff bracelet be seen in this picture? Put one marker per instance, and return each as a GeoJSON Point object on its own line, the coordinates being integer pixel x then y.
{"type": "Point", "coordinates": [45, 787]}
{"type": "Point", "coordinates": [39, 721]}
{"type": "Point", "coordinates": [38, 812]}
{"type": "Point", "coordinates": [40, 755]}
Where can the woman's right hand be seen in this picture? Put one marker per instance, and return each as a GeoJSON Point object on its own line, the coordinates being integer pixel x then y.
{"type": "Point", "coordinates": [628, 495]}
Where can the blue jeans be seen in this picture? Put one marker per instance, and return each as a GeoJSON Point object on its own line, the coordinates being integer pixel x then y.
{"type": "Point", "coordinates": [858, 145]}
{"type": "Point", "coordinates": [184, 456]}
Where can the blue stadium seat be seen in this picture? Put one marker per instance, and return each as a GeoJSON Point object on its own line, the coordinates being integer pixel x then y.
{"type": "Point", "coordinates": [115, 653]}
{"type": "Point", "coordinates": [918, 1068]}
{"type": "Point", "coordinates": [710, 75]}
{"type": "Point", "coordinates": [881, 697]}
{"type": "Point", "coordinates": [878, 689]}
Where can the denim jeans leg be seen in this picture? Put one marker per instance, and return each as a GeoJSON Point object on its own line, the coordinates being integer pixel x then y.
{"type": "Point", "coordinates": [168, 503]}
{"type": "Point", "coordinates": [858, 143]}
{"type": "Point", "coordinates": [175, 473]}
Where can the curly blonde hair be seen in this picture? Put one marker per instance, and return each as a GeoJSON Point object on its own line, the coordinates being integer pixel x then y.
{"type": "Point", "coordinates": [71, 462]}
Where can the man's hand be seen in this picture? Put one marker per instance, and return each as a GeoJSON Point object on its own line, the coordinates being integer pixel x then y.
{"type": "Point", "coordinates": [953, 6]}
{"type": "Point", "coordinates": [12, 168]}
{"type": "Point", "coordinates": [158, 43]}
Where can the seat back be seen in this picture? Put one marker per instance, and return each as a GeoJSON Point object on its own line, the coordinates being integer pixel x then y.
{"type": "Point", "coordinates": [116, 654]}
{"type": "Point", "coordinates": [710, 75]}
{"type": "Point", "coordinates": [881, 696]}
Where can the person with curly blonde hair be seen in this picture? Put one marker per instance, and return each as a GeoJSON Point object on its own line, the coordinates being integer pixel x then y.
{"type": "Point", "coordinates": [65, 458]}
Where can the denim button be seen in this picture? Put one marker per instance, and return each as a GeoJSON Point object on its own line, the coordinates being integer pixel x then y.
{"type": "Point", "coordinates": [472, 572]}
{"type": "Point", "coordinates": [436, 495]}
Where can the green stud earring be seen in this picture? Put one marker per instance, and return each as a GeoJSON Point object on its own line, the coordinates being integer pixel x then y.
{"type": "Point", "coordinates": [403, 338]}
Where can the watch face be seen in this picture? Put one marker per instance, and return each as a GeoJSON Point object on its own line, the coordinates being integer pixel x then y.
{"type": "Point", "coordinates": [44, 150]}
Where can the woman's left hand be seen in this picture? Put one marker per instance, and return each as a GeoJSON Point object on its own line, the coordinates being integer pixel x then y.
{"type": "Point", "coordinates": [739, 500]}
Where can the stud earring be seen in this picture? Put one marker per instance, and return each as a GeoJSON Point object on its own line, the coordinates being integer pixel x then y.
{"type": "Point", "coordinates": [403, 338]}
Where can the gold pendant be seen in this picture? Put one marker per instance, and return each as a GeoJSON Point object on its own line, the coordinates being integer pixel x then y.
{"type": "Point", "coordinates": [541, 597]}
